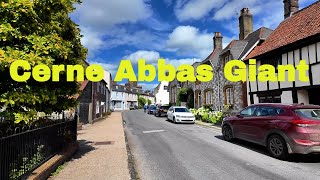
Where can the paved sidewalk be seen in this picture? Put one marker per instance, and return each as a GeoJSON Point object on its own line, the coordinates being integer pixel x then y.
{"type": "Point", "coordinates": [102, 154]}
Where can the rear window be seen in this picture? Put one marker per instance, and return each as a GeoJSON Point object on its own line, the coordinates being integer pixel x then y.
{"type": "Point", "coordinates": [164, 107]}
{"type": "Point", "coordinates": [309, 113]}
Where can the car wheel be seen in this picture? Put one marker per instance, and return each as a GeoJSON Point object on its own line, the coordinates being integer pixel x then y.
{"type": "Point", "coordinates": [227, 133]}
{"type": "Point", "coordinates": [277, 147]}
{"type": "Point", "coordinates": [174, 120]}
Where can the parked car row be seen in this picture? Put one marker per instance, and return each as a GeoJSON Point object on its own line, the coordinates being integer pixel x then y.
{"type": "Point", "coordinates": [176, 114]}
{"type": "Point", "coordinates": [283, 129]}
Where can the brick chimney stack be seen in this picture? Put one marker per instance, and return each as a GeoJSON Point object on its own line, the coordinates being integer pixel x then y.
{"type": "Point", "coordinates": [217, 40]}
{"type": "Point", "coordinates": [245, 23]}
{"type": "Point", "coordinates": [290, 7]}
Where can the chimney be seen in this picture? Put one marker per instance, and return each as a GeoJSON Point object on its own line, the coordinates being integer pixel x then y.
{"type": "Point", "coordinates": [290, 7]}
{"type": "Point", "coordinates": [245, 23]}
{"type": "Point", "coordinates": [217, 40]}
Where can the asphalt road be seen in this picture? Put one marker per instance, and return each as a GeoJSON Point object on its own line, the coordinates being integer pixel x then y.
{"type": "Point", "coordinates": [163, 150]}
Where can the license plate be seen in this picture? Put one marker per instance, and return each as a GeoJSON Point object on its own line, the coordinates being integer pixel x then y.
{"type": "Point", "coordinates": [165, 110]}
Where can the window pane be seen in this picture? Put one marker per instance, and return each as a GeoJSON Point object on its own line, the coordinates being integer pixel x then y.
{"type": "Point", "coordinates": [248, 111]}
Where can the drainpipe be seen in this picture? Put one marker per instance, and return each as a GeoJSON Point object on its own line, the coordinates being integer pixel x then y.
{"type": "Point", "coordinates": [219, 98]}
{"type": "Point", "coordinates": [219, 92]}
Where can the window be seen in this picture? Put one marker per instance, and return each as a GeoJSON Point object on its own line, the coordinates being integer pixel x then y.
{"type": "Point", "coordinates": [227, 59]}
{"type": "Point", "coordinates": [208, 97]}
{"type": "Point", "coordinates": [270, 99]}
{"type": "Point", "coordinates": [181, 110]}
{"type": "Point", "coordinates": [268, 111]}
{"type": "Point", "coordinates": [273, 61]}
{"type": "Point", "coordinates": [165, 87]}
{"type": "Point", "coordinates": [313, 114]}
{"type": "Point", "coordinates": [229, 96]}
{"type": "Point", "coordinates": [249, 111]}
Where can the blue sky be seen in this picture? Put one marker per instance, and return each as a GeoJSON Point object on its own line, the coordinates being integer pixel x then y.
{"type": "Point", "coordinates": [179, 31]}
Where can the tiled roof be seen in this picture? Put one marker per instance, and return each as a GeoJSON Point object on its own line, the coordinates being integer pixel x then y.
{"type": "Point", "coordinates": [254, 37]}
{"type": "Point", "coordinates": [213, 57]}
{"type": "Point", "coordinates": [301, 25]}
{"type": "Point", "coordinates": [82, 86]}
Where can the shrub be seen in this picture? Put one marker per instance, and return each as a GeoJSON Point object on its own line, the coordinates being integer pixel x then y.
{"type": "Point", "coordinates": [105, 114]}
{"type": "Point", "coordinates": [206, 115]}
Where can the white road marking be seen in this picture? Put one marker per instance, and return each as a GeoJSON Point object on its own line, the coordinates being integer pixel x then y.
{"type": "Point", "coordinates": [153, 131]}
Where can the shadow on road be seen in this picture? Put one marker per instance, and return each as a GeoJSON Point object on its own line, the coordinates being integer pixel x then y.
{"type": "Point", "coordinates": [179, 123]}
{"type": "Point", "coordinates": [298, 158]}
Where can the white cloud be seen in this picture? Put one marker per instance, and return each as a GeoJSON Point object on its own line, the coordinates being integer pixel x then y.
{"type": "Point", "coordinates": [152, 57]}
{"type": "Point", "coordinates": [111, 68]}
{"type": "Point", "coordinates": [195, 9]}
{"type": "Point", "coordinates": [188, 40]}
{"type": "Point", "coordinates": [148, 86]}
{"type": "Point", "coordinates": [177, 62]}
{"type": "Point", "coordinates": [232, 9]}
{"type": "Point", "coordinates": [101, 23]}
{"type": "Point", "coordinates": [102, 13]}
{"type": "Point", "coordinates": [149, 56]}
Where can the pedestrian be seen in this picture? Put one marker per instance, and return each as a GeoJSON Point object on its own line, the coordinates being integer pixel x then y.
{"type": "Point", "coordinates": [145, 107]}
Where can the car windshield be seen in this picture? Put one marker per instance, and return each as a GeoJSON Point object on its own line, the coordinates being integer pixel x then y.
{"type": "Point", "coordinates": [181, 110]}
{"type": "Point", "coordinates": [313, 114]}
{"type": "Point", "coordinates": [164, 107]}
{"type": "Point", "coordinates": [153, 107]}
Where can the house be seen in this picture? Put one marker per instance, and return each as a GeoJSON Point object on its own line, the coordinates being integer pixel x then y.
{"type": "Point", "coordinates": [94, 98]}
{"type": "Point", "coordinates": [124, 97]}
{"type": "Point", "coordinates": [174, 87]}
{"type": "Point", "coordinates": [296, 38]}
{"type": "Point", "coordinates": [219, 91]}
{"type": "Point", "coordinates": [203, 91]}
{"type": "Point", "coordinates": [161, 93]}
{"type": "Point", "coordinates": [92, 101]}
{"type": "Point", "coordinates": [108, 79]}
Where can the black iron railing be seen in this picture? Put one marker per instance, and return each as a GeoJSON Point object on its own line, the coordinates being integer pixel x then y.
{"type": "Point", "coordinates": [25, 148]}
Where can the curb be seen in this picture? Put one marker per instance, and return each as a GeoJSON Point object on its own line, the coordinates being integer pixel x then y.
{"type": "Point", "coordinates": [208, 125]}
{"type": "Point", "coordinates": [45, 170]}
{"type": "Point", "coordinates": [131, 161]}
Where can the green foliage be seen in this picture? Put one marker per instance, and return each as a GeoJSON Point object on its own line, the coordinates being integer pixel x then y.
{"type": "Point", "coordinates": [182, 95]}
{"type": "Point", "coordinates": [206, 115]}
{"type": "Point", "coordinates": [149, 101]}
{"type": "Point", "coordinates": [27, 164]}
{"type": "Point", "coordinates": [227, 107]}
{"type": "Point", "coordinates": [39, 32]}
{"type": "Point", "coordinates": [141, 102]}
{"type": "Point", "coordinates": [208, 106]}
{"type": "Point", "coordinates": [190, 102]}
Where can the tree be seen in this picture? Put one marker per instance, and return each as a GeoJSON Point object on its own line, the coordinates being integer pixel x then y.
{"type": "Point", "coordinates": [149, 101]}
{"type": "Point", "coordinates": [40, 32]}
{"type": "Point", "coordinates": [141, 101]}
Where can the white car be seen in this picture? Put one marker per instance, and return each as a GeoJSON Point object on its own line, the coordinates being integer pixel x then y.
{"type": "Point", "coordinates": [180, 114]}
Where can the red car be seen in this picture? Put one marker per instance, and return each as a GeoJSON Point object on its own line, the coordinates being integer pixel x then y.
{"type": "Point", "coordinates": [283, 129]}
